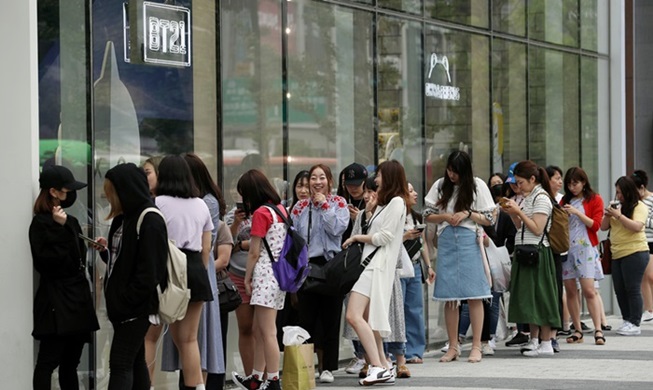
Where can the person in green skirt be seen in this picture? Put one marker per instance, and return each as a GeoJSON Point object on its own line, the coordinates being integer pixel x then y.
{"type": "Point", "coordinates": [534, 294]}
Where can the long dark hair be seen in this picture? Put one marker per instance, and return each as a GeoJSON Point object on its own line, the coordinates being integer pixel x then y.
{"type": "Point", "coordinates": [393, 184]}
{"type": "Point", "coordinates": [256, 190]}
{"type": "Point", "coordinates": [579, 175]}
{"type": "Point", "coordinates": [204, 181]}
{"type": "Point", "coordinates": [303, 174]}
{"type": "Point", "coordinates": [460, 163]}
{"type": "Point", "coordinates": [175, 178]}
{"type": "Point", "coordinates": [630, 193]}
{"type": "Point", "coordinates": [528, 168]}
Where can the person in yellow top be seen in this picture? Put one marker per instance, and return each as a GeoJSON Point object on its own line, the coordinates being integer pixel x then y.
{"type": "Point", "coordinates": [625, 217]}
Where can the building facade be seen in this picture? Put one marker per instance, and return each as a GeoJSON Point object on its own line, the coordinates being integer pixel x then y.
{"type": "Point", "coordinates": [281, 85]}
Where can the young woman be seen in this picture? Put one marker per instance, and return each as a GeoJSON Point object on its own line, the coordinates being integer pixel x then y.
{"type": "Point", "coordinates": [190, 226]}
{"type": "Point", "coordinates": [321, 220]}
{"type": "Point", "coordinates": [260, 283]}
{"type": "Point", "coordinates": [59, 257]}
{"type": "Point", "coordinates": [556, 184]}
{"type": "Point", "coordinates": [413, 288]}
{"type": "Point", "coordinates": [369, 300]}
{"type": "Point", "coordinates": [630, 256]}
{"type": "Point", "coordinates": [300, 188]}
{"type": "Point", "coordinates": [641, 181]}
{"type": "Point", "coordinates": [534, 283]}
{"type": "Point", "coordinates": [458, 203]}
{"type": "Point", "coordinates": [136, 265]}
{"type": "Point", "coordinates": [151, 168]}
{"type": "Point", "coordinates": [212, 323]}
{"type": "Point", "coordinates": [585, 209]}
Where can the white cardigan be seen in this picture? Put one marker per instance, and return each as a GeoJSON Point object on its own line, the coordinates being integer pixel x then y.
{"type": "Point", "coordinates": [387, 231]}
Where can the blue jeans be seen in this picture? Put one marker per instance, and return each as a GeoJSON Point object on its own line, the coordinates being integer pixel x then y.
{"type": "Point", "coordinates": [627, 274]}
{"type": "Point", "coordinates": [414, 314]}
{"type": "Point", "coordinates": [395, 348]}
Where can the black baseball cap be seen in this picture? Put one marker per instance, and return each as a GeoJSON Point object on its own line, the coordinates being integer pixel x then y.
{"type": "Point", "coordinates": [355, 174]}
{"type": "Point", "coordinates": [57, 176]}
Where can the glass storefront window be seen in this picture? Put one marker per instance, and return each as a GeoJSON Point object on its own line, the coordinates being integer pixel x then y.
{"type": "Point", "coordinates": [400, 97]}
{"type": "Point", "coordinates": [468, 12]}
{"type": "Point", "coordinates": [594, 119]}
{"type": "Point", "coordinates": [409, 6]}
{"type": "Point", "coordinates": [330, 95]}
{"type": "Point", "coordinates": [594, 25]}
{"type": "Point", "coordinates": [553, 88]}
{"type": "Point", "coordinates": [509, 104]}
{"type": "Point", "coordinates": [457, 94]}
{"type": "Point", "coordinates": [554, 21]}
{"type": "Point", "coordinates": [509, 16]}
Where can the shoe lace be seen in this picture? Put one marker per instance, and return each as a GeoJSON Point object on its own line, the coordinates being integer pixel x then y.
{"type": "Point", "coordinates": [264, 385]}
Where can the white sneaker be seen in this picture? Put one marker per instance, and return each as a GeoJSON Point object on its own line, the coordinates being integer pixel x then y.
{"type": "Point", "coordinates": [376, 375]}
{"type": "Point", "coordinates": [486, 350]}
{"type": "Point", "coordinates": [492, 343]}
{"type": "Point", "coordinates": [647, 316]}
{"type": "Point", "coordinates": [326, 377]}
{"type": "Point", "coordinates": [531, 346]}
{"type": "Point", "coordinates": [544, 349]}
{"type": "Point", "coordinates": [354, 367]}
{"type": "Point", "coordinates": [623, 326]}
{"type": "Point", "coordinates": [630, 330]}
{"type": "Point", "coordinates": [445, 348]}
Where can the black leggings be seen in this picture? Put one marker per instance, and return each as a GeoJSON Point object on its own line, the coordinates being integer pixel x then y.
{"type": "Point", "coordinates": [127, 366]}
{"type": "Point", "coordinates": [59, 351]}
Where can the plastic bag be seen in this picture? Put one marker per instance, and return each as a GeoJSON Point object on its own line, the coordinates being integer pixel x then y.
{"type": "Point", "coordinates": [295, 335]}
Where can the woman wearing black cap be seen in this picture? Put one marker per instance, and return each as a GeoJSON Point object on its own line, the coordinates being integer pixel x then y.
{"type": "Point", "coordinates": [64, 316]}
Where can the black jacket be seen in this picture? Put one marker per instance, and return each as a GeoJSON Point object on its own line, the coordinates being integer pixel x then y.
{"type": "Point", "coordinates": [63, 304]}
{"type": "Point", "coordinates": [130, 288]}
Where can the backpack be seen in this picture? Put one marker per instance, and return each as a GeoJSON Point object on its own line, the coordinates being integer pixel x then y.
{"type": "Point", "coordinates": [292, 268]}
{"type": "Point", "coordinates": [558, 234]}
{"type": "Point", "coordinates": [173, 301]}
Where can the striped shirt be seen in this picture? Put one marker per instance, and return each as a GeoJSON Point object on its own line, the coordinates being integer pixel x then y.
{"type": "Point", "coordinates": [534, 204]}
{"type": "Point", "coordinates": [648, 201]}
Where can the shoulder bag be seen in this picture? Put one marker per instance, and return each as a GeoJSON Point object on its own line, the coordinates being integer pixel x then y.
{"type": "Point", "coordinates": [606, 256]}
{"type": "Point", "coordinates": [528, 254]}
{"type": "Point", "coordinates": [228, 294]}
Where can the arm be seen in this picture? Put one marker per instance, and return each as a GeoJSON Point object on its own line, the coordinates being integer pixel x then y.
{"type": "Point", "coordinates": [206, 248]}
{"type": "Point", "coordinates": [223, 252]}
{"type": "Point", "coordinates": [389, 220]}
{"type": "Point", "coordinates": [427, 259]}
{"type": "Point", "coordinates": [633, 224]}
{"type": "Point", "coordinates": [335, 219]}
{"type": "Point", "coordinates": [252, 259]}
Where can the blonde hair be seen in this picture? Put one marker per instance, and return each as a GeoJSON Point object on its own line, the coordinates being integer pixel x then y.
{"type": "Point", "coordinates": [114, 200]}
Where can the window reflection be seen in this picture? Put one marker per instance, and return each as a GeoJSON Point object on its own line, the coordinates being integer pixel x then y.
{"type": "Point", "coordinates": [469, 12]}
{"type": "Point", "coordinates": [509, 16]}
{"type": "Point", "coordinates": [554, 21]}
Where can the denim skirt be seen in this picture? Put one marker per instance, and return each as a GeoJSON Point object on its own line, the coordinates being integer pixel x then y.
{"type": "Point", "coordinates": [460, 273]}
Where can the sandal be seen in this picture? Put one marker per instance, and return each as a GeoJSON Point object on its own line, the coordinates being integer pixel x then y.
{"type": "Point", "coordinates": [451, 355]}
{"type": "Point", "coordinates": [475, 359]}
{"type": "Point", "coordinates": [599, 340]}
{"type": "Point", "coordinates": [606, 327]}
{"type": "Point", "coordinates": [415, 360]}
{"type": "Point", "coordinates": [573, 339]}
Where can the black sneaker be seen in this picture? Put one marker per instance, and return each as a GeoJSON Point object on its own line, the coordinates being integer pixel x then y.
{"type": "Point", "coordinates": [246, 383]}
{"type": "Point", "coordinates": [274, 384]}
{"type": "Point", "coordinates": [563, 333]}
{"type": "Point", "coordinates": [519, 339]}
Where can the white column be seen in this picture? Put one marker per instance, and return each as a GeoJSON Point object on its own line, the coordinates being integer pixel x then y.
{"type": "Point", "coordinates": [19, 174]}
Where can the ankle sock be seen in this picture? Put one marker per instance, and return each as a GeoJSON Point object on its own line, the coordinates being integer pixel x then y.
{"type": "Point", "coordinates": [273, 376]}
{"type": "Point", "coordinates": [257, 374]}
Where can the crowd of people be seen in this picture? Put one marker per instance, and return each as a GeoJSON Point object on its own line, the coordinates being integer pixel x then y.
{"type": "Point", "coordinates": [384, 311]}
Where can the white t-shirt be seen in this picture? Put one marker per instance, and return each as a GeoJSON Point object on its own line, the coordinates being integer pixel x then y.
{"type": "Point", "coordinates": [186, 219]}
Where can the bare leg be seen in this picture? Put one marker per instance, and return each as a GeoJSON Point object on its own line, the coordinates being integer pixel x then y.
{"type": "Point", "coordinates": [245, 318]}
{"type": "Point", "coordinates": [451, 317]}
{"type": "Point", "coordinates": [356, 315]}
{"type": "Point", "coordinates": [476, 317]}
{"type": "Point", "coordinates": [184, 335]}
{"type": "Point", "coordinates": [573, 302]}
{"type": "Point", "coordinates": [151, 338]}
{"type": "Point", "coordinates": [266, 336]}
{"type": "Point", "coordinates": [589, 292]}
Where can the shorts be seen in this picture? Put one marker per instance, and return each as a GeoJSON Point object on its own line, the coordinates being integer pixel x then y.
{"type": "Point", "coordinates": [239, 282]}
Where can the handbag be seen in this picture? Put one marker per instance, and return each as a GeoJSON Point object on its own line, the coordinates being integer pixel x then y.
{"type": "Point", "coordinates": [407, 271]}
{"type": "Point", "coordinates": [528, 254]}
{"type": "Point", "coordinates": [228, 295]}
{"type": "Point", "coordinates": [316, 282]}
{"type": "Point", "coordinates": [343, 271]}
{"type": "Point", "coordinates": [500, 266]}
{"type": "Point", "coordinates": [606, 256]}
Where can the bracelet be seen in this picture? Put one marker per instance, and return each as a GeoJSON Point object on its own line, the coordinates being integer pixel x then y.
{"type": "Point", "coordinates": [469, 215]}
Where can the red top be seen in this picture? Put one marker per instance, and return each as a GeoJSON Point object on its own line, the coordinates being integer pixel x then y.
{"type": "Point", "coordinates": [593, 209]}
{"type": "Point", "coordinates": [262, 220]}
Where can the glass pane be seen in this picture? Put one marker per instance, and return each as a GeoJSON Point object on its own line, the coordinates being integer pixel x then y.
{"type": "Point", "coordinates": [509, 16]}
{"type": "Point", "coordinates": [554, 21]}
{"type": "Point", "coordinates": [251, 89]}
{"type": "Point", "coordinates": [330, 73]}
{"type": "Point", "coordinates": [553, 108]}
{"type": "Point", "coordinates": [400, 96]}
{"type": "Point", "coordinates": [594, 32]}
{"type": "Point", "coordinates": [469, 12]}
{"type": "Point", "coordinates": [593, 116]}
{"type": "Point", "coordinates": [457, 95]}
{"type": "Point", "coordinates": [509, 123]}
{"type": "Point", "coordinates": [64, 120]}
{"type": "Point", "coordinates": [410, 6]}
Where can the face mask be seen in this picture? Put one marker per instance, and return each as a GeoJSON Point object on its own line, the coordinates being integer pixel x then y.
{"type": "Point", "coordinates": [496, 190]}
{"type": "Point", "coordinates": [71, 197]}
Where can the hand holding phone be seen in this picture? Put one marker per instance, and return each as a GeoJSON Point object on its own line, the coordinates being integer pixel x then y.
{"type": "Point", "coordinates": [92, 241]}
{"type": "Point", "coordinates": [420, 227]}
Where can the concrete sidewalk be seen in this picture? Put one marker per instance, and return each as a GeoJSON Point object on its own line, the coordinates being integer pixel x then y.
{"type": "Point", "coordinates": [622, 363]}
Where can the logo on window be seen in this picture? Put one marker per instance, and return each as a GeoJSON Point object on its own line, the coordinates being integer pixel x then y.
{"type": "Point", "coordinates": [437, 91]}
{"type": "Point", "coordinates": [166, 31]}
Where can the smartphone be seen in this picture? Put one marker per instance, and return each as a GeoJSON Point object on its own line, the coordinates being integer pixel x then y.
{"type": "Point", "coordinates": [91, 241]}
{"type": "Point", "coordinates": [240, 206]}
{"type": "Point", "coordinates": [420, 227]}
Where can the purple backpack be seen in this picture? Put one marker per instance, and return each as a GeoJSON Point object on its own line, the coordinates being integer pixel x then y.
{"type": "Point", "coordinates": [292, 268]}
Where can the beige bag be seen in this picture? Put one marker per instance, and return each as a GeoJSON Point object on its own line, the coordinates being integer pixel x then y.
{"type": "Point", "coordinates": [298, 367]}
